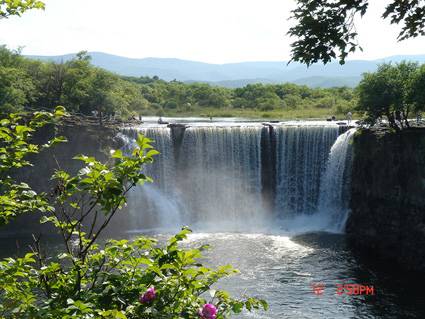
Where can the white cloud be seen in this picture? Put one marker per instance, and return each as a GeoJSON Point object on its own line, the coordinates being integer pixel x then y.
{"type": "Point", "coordinates": [216, 31]}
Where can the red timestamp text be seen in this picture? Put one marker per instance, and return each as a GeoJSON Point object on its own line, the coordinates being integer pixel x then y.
{"type": "Point", "coordinates": [354, 289]}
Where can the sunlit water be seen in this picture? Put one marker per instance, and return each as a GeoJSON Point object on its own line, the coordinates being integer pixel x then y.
{"type": "Point", "coordinates": [281, 269]}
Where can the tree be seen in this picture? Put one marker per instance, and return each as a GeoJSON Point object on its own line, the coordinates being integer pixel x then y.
{"type": "Point", "coordinates": [77, 84]}
{"type": "Point", "coordinates": [10, 58]}
{"type": "Point", "coordinates": [405, 72]}
{"type": "Point", "coordinates": [325, 30]}
{"type": "Point", "coordinates": [101, 84]}
{"type": "Point", "coordinates": [417, 90]}
{"type": "Point", "coordinates": [386, 92]}
{"type": "Point", "coordinates": [18, 7]}
{"type": "Point", "coordinates": [254, 95]}
{"type": "Point", "coordinates": [16, 89]}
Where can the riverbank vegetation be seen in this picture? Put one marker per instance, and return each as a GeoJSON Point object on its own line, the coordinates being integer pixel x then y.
{"type": "Point", "coordinates": [34, 85]}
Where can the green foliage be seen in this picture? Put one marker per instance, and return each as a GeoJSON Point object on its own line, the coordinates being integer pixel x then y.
{"type": "Point", "coordinates": [10, 58]}
{"type": "Point", "coordinates": [87, 279]}
{"type": "Point", "coordinates": [16, 85]}
{"type": "Point", "coordinates": [411, 14]}
{"type": "Point", "coordinates": [15, 146]}
{"type": "Point", "coordinates": [417, 90]}
{"type": "Point", "coordinates": [391, 91]}
{"type": "Point", "coordinates": [111, 280]}
{"type": "Point", "coordinates": [325, 30]}
{"type": "Point", "coordinates": [83, 88]}
{"type": "Point", "coordinates": [18, 7]}
{"type": "Point", "coordinates": [16, 89]}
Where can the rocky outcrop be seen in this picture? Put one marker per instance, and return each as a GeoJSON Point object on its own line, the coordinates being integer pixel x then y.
{"type": "Point", "coordinates": [177, 133]}
{"type": "Point", "coordinates": [83, 137]}
{"type": "Point", "coordinates": [268, 162]}
{"type": "Point", "coordinates": [388, 196]}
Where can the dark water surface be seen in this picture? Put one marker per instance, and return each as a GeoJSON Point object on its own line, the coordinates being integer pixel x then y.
{"type": "Point", "coordinates": [282, 270]}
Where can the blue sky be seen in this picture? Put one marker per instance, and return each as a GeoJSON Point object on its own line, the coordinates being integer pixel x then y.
{"type": "Point", "coordinates": [218, 31]}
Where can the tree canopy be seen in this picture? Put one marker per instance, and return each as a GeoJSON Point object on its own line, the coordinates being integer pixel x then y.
{"type": "Point", "coordinates": [394, 91]}
{"type": "Point", "coordinates": [18, 7]}
{"type": "Point", "coordinates": [417, 90]}
{"type": "Point", "coordinates": [325, 30]}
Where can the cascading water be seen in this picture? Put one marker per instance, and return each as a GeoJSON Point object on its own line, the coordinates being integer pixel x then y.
{"type": "Point", "coordinates": [220, 175]}
{"type": "Point", "coordinates": [163, 169]}
{"type": "Point", "coordinates": [155, 205]}
{"type": "Point", "coordinates": [302, 152]}
{"type": "Point", "coordinates": [215, 177]}
{"type": "Point", "coordinates": [335, 182]}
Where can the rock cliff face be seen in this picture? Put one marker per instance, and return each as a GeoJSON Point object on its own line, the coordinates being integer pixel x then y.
{"type": "Point", "coordinates": [388, 196]}
{"type": "Point", "coordinates": [83, 138]}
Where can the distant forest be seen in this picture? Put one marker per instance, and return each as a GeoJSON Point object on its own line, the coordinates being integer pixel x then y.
{"type": "Point", "coordinates": [27, 84]}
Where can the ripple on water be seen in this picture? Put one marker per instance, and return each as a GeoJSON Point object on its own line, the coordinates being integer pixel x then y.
{"type": "Point", "coordinates": [281, 269]}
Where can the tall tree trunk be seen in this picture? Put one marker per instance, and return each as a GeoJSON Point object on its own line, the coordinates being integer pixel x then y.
{"type": "Point", "coordinates": [392, 122]}
{"type": "Point", "coordinates": [406, 116]}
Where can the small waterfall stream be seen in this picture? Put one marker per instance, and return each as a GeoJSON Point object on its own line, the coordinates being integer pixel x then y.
{"type": "Point", "coordinates": [219, 177]}
{"type": "Point", "coordinates": [335, 182]}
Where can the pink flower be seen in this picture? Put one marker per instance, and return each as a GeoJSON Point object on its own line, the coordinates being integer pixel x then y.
{"type": "Point", "coordinates": [148, 296]}
{"type": "Point", "coordinates": [208, 311]}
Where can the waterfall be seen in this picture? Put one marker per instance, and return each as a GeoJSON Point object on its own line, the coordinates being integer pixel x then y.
{"type": "Point", "coordinates": [302, 152]}
{"type": "Point", "coordinates": [220, 174]}
{"type": "Point", "coordinates": [163, 168]}
{"type": "Point", "coordinates": [155, 205]}
{"type": "Point", "coordinates": [244, 176]}
{"type": "Point", "coordinates": [335, 182]}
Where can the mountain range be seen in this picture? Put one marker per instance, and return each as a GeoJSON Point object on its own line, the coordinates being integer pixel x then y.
{"type": "Point", "coordinates": [238, 74]}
